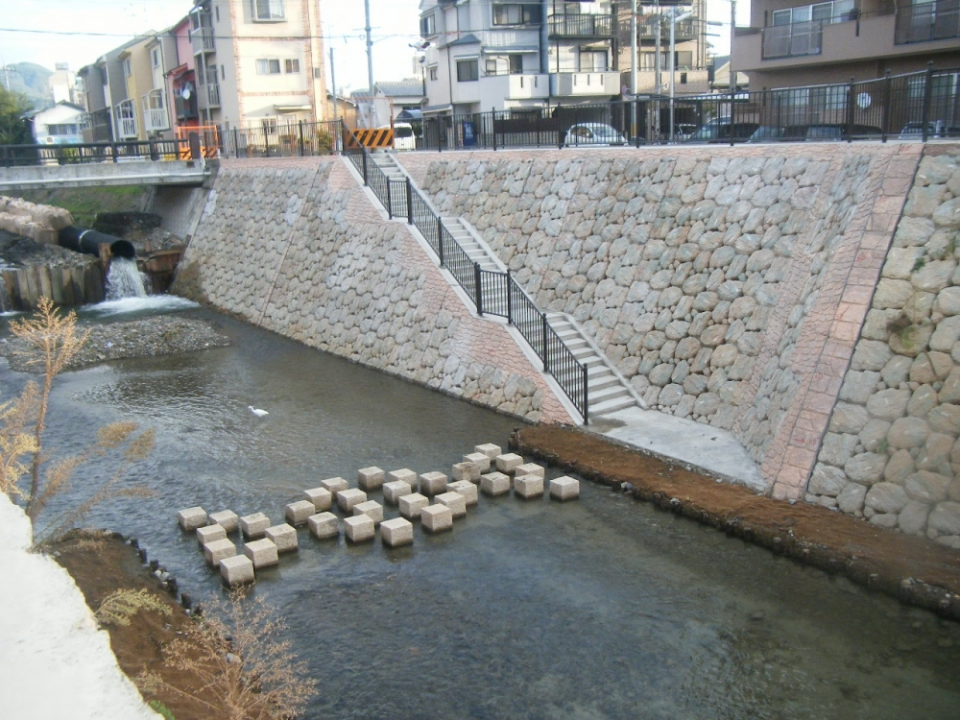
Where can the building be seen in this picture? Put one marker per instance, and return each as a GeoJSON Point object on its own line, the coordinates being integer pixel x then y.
{"type": "Point", "coordinates": [481, 56]}
{"type": "Point", "coordinates": [388, 100]}
{"type": "Point", "coordinates": [60, 124]}
{"type": "Point", "coordinates": [791, 43]}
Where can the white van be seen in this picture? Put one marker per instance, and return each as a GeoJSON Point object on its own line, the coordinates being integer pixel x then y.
{"type": "Point", "coordinates": [403, 137]}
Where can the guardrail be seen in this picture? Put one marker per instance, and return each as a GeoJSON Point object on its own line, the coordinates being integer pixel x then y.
{"type": "Point", "coordinates": [81, 153]}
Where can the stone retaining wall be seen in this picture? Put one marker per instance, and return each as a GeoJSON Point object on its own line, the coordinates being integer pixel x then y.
{"type": "Point", "coordinates": [295, 246]}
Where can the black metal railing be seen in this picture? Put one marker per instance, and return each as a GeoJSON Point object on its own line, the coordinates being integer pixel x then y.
{"type": "Point", "coordinates": [83, 153]}
{"type": "Point", "coordinates": [295, 139]}
{"type": "Point", "coordinates": [926, 22]}
{"type": "Point", "coordinates": [580, 25]}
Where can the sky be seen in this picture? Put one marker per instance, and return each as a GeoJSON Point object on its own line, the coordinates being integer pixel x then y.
{"type": "Point", "coordinates": [77, 32]}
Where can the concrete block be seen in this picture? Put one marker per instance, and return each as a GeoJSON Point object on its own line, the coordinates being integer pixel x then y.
{"type": "Point", "coordinates": [393, 491]}
{"type": "Point", "coordinates": [209, 533]}
{"type": "Point", "coordinates": [488, 449]}
{"type": "Point", "coordinates": [370, 508]}
{"type": "Point", "coordinates": [396, 532]}
{"type": "Point", "coordinates": [412, 504]}
{"type": "Point", "coordinates": [253, 526]}
{"type": "Point", "coordinates": [466, 470]}
{"type": "Point", "coordinates": [528, 486]}
{"type": "Point", "coordinates": [370, 478]}
{"type": "Point", "coordinates": [467, 489]}
{"type": "Point", "coordinates": [298, 512]}
{"type": "Point", "coordinates": [236, 569]}
{"type": "Point", "coordinates": [346, 499]}
{"type": "Point", "coordinates": [334, 485]}
{"type": "Point", "coordinates": [262, 553]}
{"type": "Point", "coordinates": [358, 528]}
{"type": "Point", "coordinates": [455, 501]}
{"type": "Point", "coordinates": [283, 536]}
{"type": "Point", "coordinates": [321, 498]}
{"type": "Point", "coordinates": [432, 483]}
{"type": "Point", "coordinates": [564, 488]}
{"type": "Point", "coordinates": [227, 519]}
{"type": "Point", "coordinates": [480, 460]}
{"type": "Point", "coordinates": [529, 469]}
{"type": "Point", "coordinates": [192, 518]}
{"type": "Point", "coordinates": [324, 525]}
{"type": "Point", "coordinates": [436, 518]}
{"type": "Point", "coordinates": [407, 475]}
{"type": "Point", "coordinates": [508, 463]}
{"type": "Point", "coordinates": [495, 483]}
{"type": "Point", "coordinates": [217, 550]}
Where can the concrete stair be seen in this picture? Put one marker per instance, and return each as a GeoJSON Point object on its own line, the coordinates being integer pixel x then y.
{"type": "Point", "coordinates": [469, 239]}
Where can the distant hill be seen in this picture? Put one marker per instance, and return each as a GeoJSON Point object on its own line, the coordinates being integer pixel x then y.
{"type": "Point", "coordinates": [30, 79]}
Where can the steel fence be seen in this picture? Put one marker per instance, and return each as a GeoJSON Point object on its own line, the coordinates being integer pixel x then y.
{"type": "Point", "coordinates": [82, 153]}
{"type": "Point", "coordinates": [295, 139]}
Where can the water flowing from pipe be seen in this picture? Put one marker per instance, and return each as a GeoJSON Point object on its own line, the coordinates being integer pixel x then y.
{"type": "Point", "coordinates": [124, 279]}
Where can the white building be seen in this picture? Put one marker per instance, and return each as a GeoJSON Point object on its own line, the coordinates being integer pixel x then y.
{"type": "Point", "coordinates": [62, 123]}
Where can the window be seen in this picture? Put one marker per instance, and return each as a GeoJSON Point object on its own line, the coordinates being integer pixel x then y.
{"type": "Point", "coordinates": [268, 10]}
{"type": "Point", "coordinates": [291, 66]}
{"type": "Point", "coordinates": [491, 67]}
{"type": "Point", "coordinates": [683, 58]}
{"type": "Point", "coordinates": [428, 26]}
{"type": "Point", "coordinates": [516, 14]}
{"type": "Point", "coordinates": [64, 129]}
{"type": "Point", "coordinates": [270, 66]}
{"type": "Point", "coordinates": [683, 78]}
{"type": "Point", "coordinates": [593, 60]}
{"type": "Point", "coordinates": [127, 71]}
{"type": "Point", "coordinates": [468, 70]}
{"type": "Point", "coordinates": [826, 13]}
{"type": "Point", "coordinates": [516, 64]}
{"type": "Point", "coordinates": [155, 57]}
{"type": "Point", "coordinates": [432, 72]}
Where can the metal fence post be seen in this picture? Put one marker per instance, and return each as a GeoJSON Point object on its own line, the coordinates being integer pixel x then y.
{"type": "Point", "coordinates": [886, 105]}
{"type": "Point", "coordinates": [440, 240]}
{"type": "Point", "coordinates": [586, 399]}
{"type": "Point", "coordinates": [493, 127]}
{"type": "Point", "coordinates": [851, 100]}
{"type": "Point", "coordinates": [478, 291]}
{"type": "Point", "coordinates": [543, 327]}
{"type": "Point", "coordinates": [300, 128]}
{"type": "Point", "coordinates": [389, 199]}
{"type": "Point", "coordinates": [927, 92]}
{"type": "Point", "coordinates": [409, 202]}
{"type": "Point", "coordinates": [509, 298]}
{"type": "Point", "coordinates": [363, 154]}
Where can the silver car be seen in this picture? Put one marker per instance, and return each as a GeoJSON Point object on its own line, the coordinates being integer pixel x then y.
{"type": "Point", "coordinates": [594, 134]}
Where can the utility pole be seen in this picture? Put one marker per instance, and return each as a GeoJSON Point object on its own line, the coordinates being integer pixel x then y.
{"type": "Point", "coordinates": [633, 67]}
{"type": "Point", "coordinates": [733, 74]}
{"type": "Point", "coordinates": [366, 8]}
{"type": "Point", "coordinates": [333, 81]}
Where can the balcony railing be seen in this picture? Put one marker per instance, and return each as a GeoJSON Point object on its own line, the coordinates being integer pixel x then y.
{"type": "Point", "coordinates": [938, 20]}
{"type": "Point", "coordinates": [155, 115]}
{"type": "Point", "coordinates": [212, 94]}
{"type": "Point", "coordinates": [202, 40]}
{"type": "Point", "coordinates": [573, 26]}
{"type": "Point", "coordinates": [647, 29]}
{"type": "Point", "coordinates": [794, 40]}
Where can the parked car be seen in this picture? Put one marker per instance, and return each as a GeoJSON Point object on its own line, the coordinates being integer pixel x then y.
{"type": "Point", "coordinates": [722, 130]}
{"type": "Point", "coordinates": [839, 131]}
{"type": "Point", "coordinates": [594, 134]}
{"type": "Point", "coordinates": [935, 129]}
{"type": "Point", "coordinates": [403, 136]}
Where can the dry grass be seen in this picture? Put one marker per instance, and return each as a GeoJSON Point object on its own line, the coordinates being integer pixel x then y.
{"type": "Point", "coordinates": [118, 607]}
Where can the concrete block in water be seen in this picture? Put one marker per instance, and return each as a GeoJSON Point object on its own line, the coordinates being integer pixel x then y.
{"type": "Point", "coordinates": [262, 553]}
{"type": "Point", "coordinates": [528, 486]}
{"type": "Point", "coordinates": [370, 478]}
{"type": "Point", "coordinates": [564, 488]}
{"type": "Point", "coordinates": [529, 469]}
{"type": "Point", "coordinates": [358, 528]}
{"type": "Point", "coordinates": [346, 499]}
{"type": "Point", "coordinates": [370, 508]}
{"type": "Point", "coordinates": [253, 526]}
{"type": "Point", "coordinates": [495, 483]}
{"type": "Point", "coordinates": [467, 489]}
{"type": "Point", "coordinates": [406, 474]}
{"type": "Point", "coordinates": [236, 569]}
{"type": "Point", "coordinates": [209, 533]}
{"type": "Point", "coordinates": [480, 460]}
{"type": "Point", "coordinates": [324, 525]}
{"type": "Point", "coordinates": [217, 550]}
{"type": "Point", "coordinates": [393, 491]}
{"type": "Point", "coordinates": [396, 532]}
{"type": "Point", "coordinates": [412, 504]}
{"type": "Point", "coordinates": [334, 485]}
{"type": "Point", "coordinates": [508, 463]}
{"type": "Point", "coordinates": [466, 471]}
{"type": "Point", "coordinates": [455, 501]}
{"type": "Point", "coordinates": [227, 519]}
{"type": "Point", "coordinates": [432, 483]}
{"type": "Point", "coordinates": [436, 518]}
{"type": "Point", "coordinates": [488, 449]}
{"type": "Point", "coordinates": [284, 536]}
{"type": "Point", "coordinates": [192, 518]}
{"type": "Point", "coordinates": [298, 512]}
{"type": "Point", "coordinates": [321, 498]}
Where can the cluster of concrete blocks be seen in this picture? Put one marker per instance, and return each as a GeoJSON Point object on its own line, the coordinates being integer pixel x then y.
{"type": "Point", "coordinates": [486, 470]}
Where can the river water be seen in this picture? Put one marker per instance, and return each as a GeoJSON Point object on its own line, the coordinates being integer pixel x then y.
{"type": "Point", "coordinates": [603, 608]}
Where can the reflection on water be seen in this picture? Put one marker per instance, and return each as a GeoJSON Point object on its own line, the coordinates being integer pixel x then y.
{"type": "Point", "coordinates": [602, 608]}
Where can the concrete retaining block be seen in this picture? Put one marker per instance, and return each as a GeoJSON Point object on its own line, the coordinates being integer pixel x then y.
{"type": "Point", "coordinates": [406, 475]}
{"type": "Point", "coordinates": [253, 526]}
{"type": "Point", "coordinates": [236, 570]}
{"type": "Point", "coordinates": [347, 499]}
{"type": "Point", "coordinates": [324, 525]}
{"type": "Point", "coordinates": [227, 519]}
{"type": "Point", "coordinates": [432, 483]}
{"type": "Point", "coordinates": [209, 533]}
{"type": "Point", "coordinates": [370, 478]}
{"type": "Point", "coordinates": [436, 518]}
{"type": "Point", "coordinates": [396, 532]}
{"type": "Point", "coordinates": [564, 488]}
{"type": "Point", "coordinates": [192, 518]}
{"type": "Point", "coordinates": [488, 449]}
{"type": "Point", "coordinates": [480, 460]}
{"type": "Point", "coordinates": [321, 498]}
{"type": "Point", "coordinates": [467, 489]}
{"type": "Point", "coordinates": [217, 550]}
{"type": "Point", "coordinates": [495, 483]}
{"type": "Point", "coordinates": [412, 504]}
{"type": "Point", "coordinates": [455, 501]}
{"type": "Point", "coordinates": [508, 463]}
{"type": "Point", "coordinates": [370, 508]}
{"type": "Point", "coordinates": [393, 491]}
{"type": "Point", "coordinates": [359, 528]}
{"type": "Point", "coordinates": [528, 486]}
{"type": "Point", "coordinates": [529, 469]}
{"type": "Point", "coordinates": [284, 536]}
{"type": "Point", "coordinates": [262, 553]}
{"type": "Point", "coordinates": [466, 471]}
{"type": "Point", "coordinates": [298, 512]}
{"type": "Point", "coordinates": [334, 485]}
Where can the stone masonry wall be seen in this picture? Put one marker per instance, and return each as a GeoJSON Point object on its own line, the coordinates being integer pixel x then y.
{"type": "Point", "coordinates": [892, 450]}
{"type": "Point", "coordinates": [727, 284]}
{"type": "Point", "coordinates": [296, 247]}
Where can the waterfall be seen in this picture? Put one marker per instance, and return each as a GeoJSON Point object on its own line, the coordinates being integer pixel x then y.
{"type": "Point", "coordinates": [124, 279]}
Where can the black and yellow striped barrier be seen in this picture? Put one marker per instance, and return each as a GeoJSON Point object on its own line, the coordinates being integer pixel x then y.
{"type": "Point", "coordinates": [370, 139]}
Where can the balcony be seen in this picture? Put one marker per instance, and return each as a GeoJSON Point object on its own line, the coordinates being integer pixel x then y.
{"type": "Point", "coordinates": [939, 20]}
{"type": "Point", "coordinates": [796, 40]}
{"type": "Point", "coordinates": [580, 26]}
{"type": "Point", "coordinates": [647, 29]}
{"type": "Point", "coordinates": [125, 114]}
{"type": "Point", "coordinates": [212, 94]}
{"type": "Point", "coordinates": [202, 40]}
{"type": "Point", "coordinates": [580, 84]}
{"type": "Point", "coordinates": [513, 87]}
{"type": "Point", "coordinates": [155, 117]}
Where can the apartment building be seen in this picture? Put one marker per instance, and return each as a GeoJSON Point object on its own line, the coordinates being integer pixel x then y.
{"type": "Point", "coordinates": [484, 55]}
{"type": "Point", "coordinates": [792, 43]}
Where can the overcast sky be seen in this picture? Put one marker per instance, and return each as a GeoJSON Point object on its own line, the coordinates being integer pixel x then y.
{"type": "Point", "coordinates": [77, 32]}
